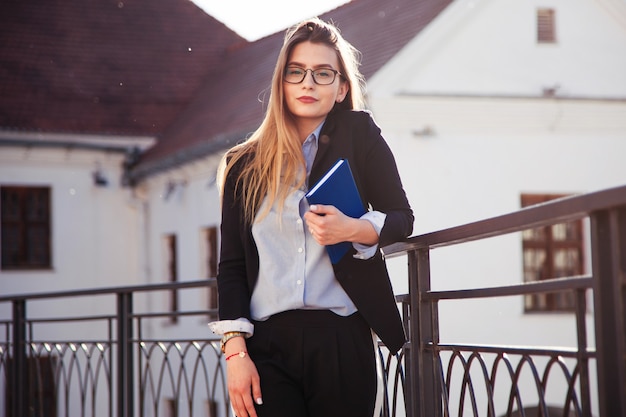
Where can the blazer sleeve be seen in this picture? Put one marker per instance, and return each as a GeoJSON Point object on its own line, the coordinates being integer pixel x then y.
{"type": "Point", "coordinates": [232, 283]}
{"type": "Point", "coordinates": [380, 182]}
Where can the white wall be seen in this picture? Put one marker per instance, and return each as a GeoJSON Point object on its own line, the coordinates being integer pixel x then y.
{"type": "Point", "coordinates": [192, 205]}
{"type": "Point", "coordinates": [484, 152]}
{"type": "Point", "coordinates": [462, 108]}
{"type": "Point", "coordinates": [112, 236]}
{"type": "Point", "coordinates": [95, 234]}
{"type": "Point", "coordinates": [482, 155]}
{"type": "Point", "coordinates": [95, 229]}
{"type": "Point", "coordinates": [488, 47]}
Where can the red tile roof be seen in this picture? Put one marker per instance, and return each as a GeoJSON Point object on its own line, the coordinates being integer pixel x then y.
{"type": "Point", "coordinates": [230, 105]}
{"type": "Point", "coordinates": [103, 66]}
{"type": "Point", "coordinates": [162, 68]}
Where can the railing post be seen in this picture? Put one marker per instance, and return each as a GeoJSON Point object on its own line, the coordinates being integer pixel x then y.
{"type": "Point", "coordinates": [425, 388]}
{"type": "Point", "coordinates": [412, 397]}
{"type": "Point", "coordinates": [125, 366]}
{"type": "Point", "coordinates": [583, 359]}
{"type": "Point", "coordinates": [608, 244]}
{"type": "Point", "coordinates": [19, 370]}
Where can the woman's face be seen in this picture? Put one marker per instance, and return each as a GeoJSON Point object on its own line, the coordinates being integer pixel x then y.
{"type": "Point", "coordinates": [308, 101]}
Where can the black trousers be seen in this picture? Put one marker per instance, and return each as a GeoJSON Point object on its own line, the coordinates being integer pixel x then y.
{"type": "Point", "coordinates": [314, 363]}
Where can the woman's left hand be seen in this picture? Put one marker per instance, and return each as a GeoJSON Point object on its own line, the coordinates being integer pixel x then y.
{"type": "Point", "coordinates": [328, 226]}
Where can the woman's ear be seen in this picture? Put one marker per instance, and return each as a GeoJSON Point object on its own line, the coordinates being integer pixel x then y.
{"type": "Point", "coordinates": [343, 91]}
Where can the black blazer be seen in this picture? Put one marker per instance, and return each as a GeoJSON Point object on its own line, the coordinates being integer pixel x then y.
{"type": "Point", "coordinates": [352, 135]}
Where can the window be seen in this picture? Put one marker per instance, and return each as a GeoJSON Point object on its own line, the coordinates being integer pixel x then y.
{"type": "Point", "coordinates": [171, 266]}
{"type": "Point", "coordinates": [209, 249]}
{"type": "Point", "coordinates": [546, 32]}
{"type": "Point", "coordinates": [210, 238]}
{"type": "Point", "coordinates": [25, 228]}
{"type": "Point", "coordinates": [551, 252]}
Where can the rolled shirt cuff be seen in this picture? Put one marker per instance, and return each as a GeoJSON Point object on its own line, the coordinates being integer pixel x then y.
{"type": "Point", "coordinates": [377, 219]}
{"type": "Point", "coordinates": [224, 326]}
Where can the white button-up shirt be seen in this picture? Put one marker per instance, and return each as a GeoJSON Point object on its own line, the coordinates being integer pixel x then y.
{"type": "Point", "coordinates": [294, 270]}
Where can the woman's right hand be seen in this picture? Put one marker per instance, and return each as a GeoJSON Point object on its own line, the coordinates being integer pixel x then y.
{"type": "Point", "coordinates": [244, 385]}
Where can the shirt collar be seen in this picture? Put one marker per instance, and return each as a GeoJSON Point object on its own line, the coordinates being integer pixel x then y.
{"type": "Point", "coordinates": [316, 132]}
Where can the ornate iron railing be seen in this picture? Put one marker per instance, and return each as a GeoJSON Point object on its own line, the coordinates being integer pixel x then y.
{"type": "Point", "coordinates": [124, 372]}
{"type": "Point", "coordinates": [112, 364]}
{"type": "Point", "coordinates": [430, 364]}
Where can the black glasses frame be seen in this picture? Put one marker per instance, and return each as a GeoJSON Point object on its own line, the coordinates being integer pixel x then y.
{"type": "Point", "coordinates": [313, 72]}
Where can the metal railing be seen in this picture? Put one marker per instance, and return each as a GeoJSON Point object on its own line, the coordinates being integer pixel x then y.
{"type": "Point", "coordinates": [122, 371]}
{"type": "Point", "coordinates": [114, 363]}
{"type": "Point", "coordinates": [431, 365]}
{"type": "Point", "coordinates": [128, 369]}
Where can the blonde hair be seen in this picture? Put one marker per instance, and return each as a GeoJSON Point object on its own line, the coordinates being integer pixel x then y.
{"type": "Point", "coordinates": [273, 153]}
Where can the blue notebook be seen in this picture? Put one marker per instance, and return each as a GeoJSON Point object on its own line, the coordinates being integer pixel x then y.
{"type": "Point", "coordinates": [338, 188]}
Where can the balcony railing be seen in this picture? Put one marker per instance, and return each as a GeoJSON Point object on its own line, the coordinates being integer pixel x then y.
{"type": "Point", "coordinates": [66, 360]}
{"type": "Point", "coordinates": [432, 367]}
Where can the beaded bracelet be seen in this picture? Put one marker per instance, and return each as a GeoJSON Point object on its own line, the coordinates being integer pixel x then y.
{"type": "Point", "coordinates": [241, 354]}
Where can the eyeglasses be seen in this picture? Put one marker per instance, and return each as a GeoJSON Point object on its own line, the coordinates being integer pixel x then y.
{"type": "Point", "coordinates": [321, 76]}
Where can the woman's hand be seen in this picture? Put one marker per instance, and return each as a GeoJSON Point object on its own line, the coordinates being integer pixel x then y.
{"type": "Point", "coordinates": [328, 226]}
{"type": "Point", "coordinates": [244, 385]}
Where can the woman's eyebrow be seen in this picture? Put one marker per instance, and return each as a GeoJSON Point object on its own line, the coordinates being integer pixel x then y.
{"type": "Point", "coordinates": [301, 65]}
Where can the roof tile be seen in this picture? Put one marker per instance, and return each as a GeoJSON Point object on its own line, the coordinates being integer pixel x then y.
{"type": "Point", "coordinates": [230, 105]}
{"type": "Point", "coordinates": [162, 68]}
{"type": "Point", "coordinates": [103, 66]}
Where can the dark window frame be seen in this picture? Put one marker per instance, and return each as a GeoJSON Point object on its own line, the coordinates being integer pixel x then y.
{"type": "Point", "coordinates": [26, 228]}
{"type": "Point", "coordinates": [172, 273]}
{"type": "Point", "coordinates": [547, 246]}
{"type": "Point", "coordinates": [211, 242]}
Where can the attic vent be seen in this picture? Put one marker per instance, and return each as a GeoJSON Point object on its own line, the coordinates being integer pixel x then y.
{"type": "Point", "coordinates": [546, 32]}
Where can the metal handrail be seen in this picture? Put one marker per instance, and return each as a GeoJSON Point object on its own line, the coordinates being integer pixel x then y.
{"type": "Point", "coordinates": [552, 212]}
{"type": "Point", "coordinates": [133, 369]}
{"type": "Point", "coordinates": [109, 290]}
{"type": "Point", "coordinates": [606, 210]}
{"type": "Point", "coordinates": [546, 286]}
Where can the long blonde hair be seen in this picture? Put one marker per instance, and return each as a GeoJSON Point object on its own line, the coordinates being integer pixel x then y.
{"type": "Point", "coordinates": [274, 162]}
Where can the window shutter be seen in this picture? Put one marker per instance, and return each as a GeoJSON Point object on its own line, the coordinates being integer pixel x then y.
{"type": "Point", "coordinates": [546, 32]}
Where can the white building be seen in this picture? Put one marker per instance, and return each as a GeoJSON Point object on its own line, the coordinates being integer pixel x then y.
{"type": "Point", "coordinates": [480, 111]}
{"type": "Point", "coordinates": [482, 102]}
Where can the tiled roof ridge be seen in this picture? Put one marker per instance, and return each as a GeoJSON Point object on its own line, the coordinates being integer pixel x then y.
{"type": "Point", "coordinates": [162, 68]}
{"type": "Point", "coordinates": [230, 103]}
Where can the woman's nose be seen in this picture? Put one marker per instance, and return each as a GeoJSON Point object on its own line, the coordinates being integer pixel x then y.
{"type": "Point", "coordinates": [308, 79]}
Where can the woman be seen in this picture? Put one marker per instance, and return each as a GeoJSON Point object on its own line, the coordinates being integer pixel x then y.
{"type": "Point", "coordinates": [297, 330]}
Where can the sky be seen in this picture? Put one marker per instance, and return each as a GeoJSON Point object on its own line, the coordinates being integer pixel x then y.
{"type": "Point", "coordinates": [254, 19]}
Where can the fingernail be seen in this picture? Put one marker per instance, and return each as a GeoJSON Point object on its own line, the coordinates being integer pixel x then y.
{"type": "Point", "coordinates": [259, 401]}
{"type": "Point", "coordinates": [313, 207]}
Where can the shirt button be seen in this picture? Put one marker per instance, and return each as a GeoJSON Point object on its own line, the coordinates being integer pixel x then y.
{"type": "Point", "coordinates": [299, 282]}
{"type": "Point", "coordinates": [300, 250]}
{"type": "Point", "coordinates": [299, 221]}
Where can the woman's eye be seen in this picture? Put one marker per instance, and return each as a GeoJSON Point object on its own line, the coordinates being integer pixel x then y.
{"type": "Point", "coordinates": [323, 73]}
{"type": "Point", "coordinates": [295, 71]}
